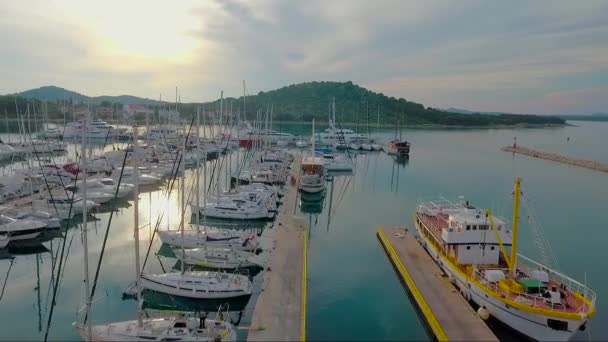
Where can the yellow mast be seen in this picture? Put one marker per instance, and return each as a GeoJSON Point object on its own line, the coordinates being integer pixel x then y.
{"type": "Point", "coordinates": [517, 194]}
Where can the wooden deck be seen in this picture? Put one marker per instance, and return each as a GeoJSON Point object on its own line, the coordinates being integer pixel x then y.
{"type": "Point", "coordinates": [588, 164]}
{"type": "Point", "coordinates": [447, 314]}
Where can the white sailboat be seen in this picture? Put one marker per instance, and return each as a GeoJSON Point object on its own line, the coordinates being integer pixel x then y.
{"type": "Point", "coordinates": [198, 285]}
{"type": "Point", "coordinates": [212, 237]}
{"type": "Point", "coordinates": [181, 329]}
{"type": "Point", "coordinates": [221, 258]}
{"type": "Point", "coordinates": [191, 284]}
{"type": "Point", "coordinates": [335, 162]}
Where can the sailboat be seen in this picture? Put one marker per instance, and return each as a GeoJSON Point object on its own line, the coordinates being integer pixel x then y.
{"type": "Point", "coordinates": [478, 252]}
{"type": "Point", "coordinates": [313, 171]}
{"type": "Point", "coordinates": [176, 328]}
{"type": "Point", "coordinates": [193, 284]}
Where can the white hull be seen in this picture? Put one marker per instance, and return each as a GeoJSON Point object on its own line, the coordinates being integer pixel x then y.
{"type": "Point", "coordinates": [188, 290]}
{"type": "Point", "coordinates": [160, 329]}
{"type": "Point", "coordinates": [4, 241]}
{"type": "Point", "coordinates": [530, 324]}
{"type": "Point", "coordinates": [193, 239]}
{"type": "Point", "coordinates": [22, 237]}
{"type": "Point", "coordinates": [313, 189]}
{"type": "Point", "coordinates": [232, 214]}
{"type": "Point", "coordinates": [220, 258]}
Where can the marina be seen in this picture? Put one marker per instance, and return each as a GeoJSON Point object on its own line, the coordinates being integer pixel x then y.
{"type": "Point", "coordinates": [289, 288]}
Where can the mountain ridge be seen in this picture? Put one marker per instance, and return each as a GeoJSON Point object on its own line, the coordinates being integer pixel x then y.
{"type": "Point", "coordinates": [55, 93]}
{"type": "Point", "coordinates": [304, 101]}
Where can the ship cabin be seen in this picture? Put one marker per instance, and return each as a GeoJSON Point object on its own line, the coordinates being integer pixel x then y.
{"type": "Point", "coordinates": [313, 166]}
{"type": "Point", "coordinates": [469, 238]}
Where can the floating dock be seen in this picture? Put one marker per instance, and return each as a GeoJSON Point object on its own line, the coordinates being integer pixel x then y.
{"type": "Point", "coordinates": [447, 314]}
{"type": "Point", "coordinates": [280, 311]}
{"type": "Point", "coordinates": [556, 157]}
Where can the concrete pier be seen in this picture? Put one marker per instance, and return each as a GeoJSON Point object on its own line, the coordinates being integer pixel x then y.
{"type": "Point", "coordinates": [447, 314]}
{"type": "Point", "coordinates": [280, 311]}
{"type": "Point", "coordinates": [588, 164]}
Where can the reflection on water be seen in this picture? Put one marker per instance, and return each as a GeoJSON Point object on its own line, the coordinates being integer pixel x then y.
{"type": "Point", "coordinates": [349, 279]}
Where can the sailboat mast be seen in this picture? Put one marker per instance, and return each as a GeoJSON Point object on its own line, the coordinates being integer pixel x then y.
{"type": "Point", "coordinates": [313, 137]}
{"type": "Point", "coordinates": [85, 243]}
{"type": "Point", "coordinates": [198, 172]}
{"type": "Point", "coordinates": [183, 200]}
{"type": "Point", "coordinates": [517, 195]}
{"type": "Point", "coordinates": [136, 225]}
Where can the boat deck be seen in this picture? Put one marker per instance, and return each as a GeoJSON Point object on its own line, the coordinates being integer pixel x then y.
{"type": "Point", "coordinates": [569, 302]}
{"type": "Point", "coordinates": [446, 312]}
{"type": "Point", "coordinates": [280, 311]}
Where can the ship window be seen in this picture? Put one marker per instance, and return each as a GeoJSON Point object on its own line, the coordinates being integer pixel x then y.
{"type": "Point", "coordinates": [468, 227]}
{"type": "Point", "coordinates": [492, 248]}
{"type": "Point", "coordinates": [468, 247]}
{"type": "Point", "coordinates": [474, 227]}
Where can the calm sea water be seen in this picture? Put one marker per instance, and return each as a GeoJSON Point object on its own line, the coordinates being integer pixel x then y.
{"type": "Point", "coordinates": [354, 293]}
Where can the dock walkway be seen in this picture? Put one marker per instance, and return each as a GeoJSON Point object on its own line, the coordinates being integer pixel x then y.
{"type": "Point", "coordinates": [556, 157]}
{"type": "Point", "coordinates": [280, 311]}
{"type": "Point", "coordinates": [448, 315]}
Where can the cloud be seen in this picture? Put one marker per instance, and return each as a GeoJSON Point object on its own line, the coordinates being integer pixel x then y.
{"type": "Point", "coordinates": [474, 54]}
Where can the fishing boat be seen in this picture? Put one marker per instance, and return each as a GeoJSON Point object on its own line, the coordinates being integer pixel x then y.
{"type": "Point", "coordinates": [312, 179]}
{"type": "Point", "coordinates": [396, 147]}
{"type": "Point", "coordinates": [478, 252]}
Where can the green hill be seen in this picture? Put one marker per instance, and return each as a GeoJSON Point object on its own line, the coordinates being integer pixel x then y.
{"type": "Point", "coordinates": [54, 94]}
{"type": "Point", "coordinates": [310, 99]}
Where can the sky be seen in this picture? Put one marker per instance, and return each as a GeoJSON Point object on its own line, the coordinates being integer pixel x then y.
{"type": "Point", "coordinates": [544, 57]}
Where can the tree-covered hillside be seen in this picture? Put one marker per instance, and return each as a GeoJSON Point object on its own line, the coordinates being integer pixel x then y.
{"type": "Point", "coordinates": [313, 99]}
{"type": "Point", "coordinates": [307, 100]}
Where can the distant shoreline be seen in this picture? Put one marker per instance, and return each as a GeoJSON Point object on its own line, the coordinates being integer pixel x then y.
{"type": "Point", "coordinates": [432, 126]}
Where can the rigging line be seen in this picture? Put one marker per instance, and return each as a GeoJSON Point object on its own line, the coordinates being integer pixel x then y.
{"type": "Point", "coordinates": [105, 238]}
{"type": "Point", "coordinates": [46, 182]}
{"type": "Point", "coordinates": [6, 278]}
{"type": "Point", "coordinates": [58, 276]}
{"type": "Point", "coordinates": [56, 287]}
{"type": "Point", "coordinates": [169, 190]}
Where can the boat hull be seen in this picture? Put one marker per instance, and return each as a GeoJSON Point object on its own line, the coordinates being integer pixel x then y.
{"type": "Point", "coordinates": [188, 292]}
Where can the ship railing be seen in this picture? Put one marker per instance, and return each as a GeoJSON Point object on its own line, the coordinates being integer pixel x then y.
{"type": "Point", "coordinates": [535, 300]}
{"type": "Point", "coordinates": [440, 204]}
{"type": "Point", "coordinates": [527, 265]}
